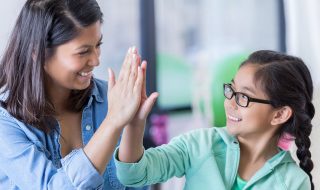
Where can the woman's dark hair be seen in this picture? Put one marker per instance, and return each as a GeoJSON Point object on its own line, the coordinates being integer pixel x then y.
{"type": "Point", "coordinates": [287, 82]}
{"type": "Point", "coordinates": [42, 25]}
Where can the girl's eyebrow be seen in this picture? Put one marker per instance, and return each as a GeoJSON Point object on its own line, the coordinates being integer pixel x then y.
{"type": "Point", "coordinates": [245, 88]}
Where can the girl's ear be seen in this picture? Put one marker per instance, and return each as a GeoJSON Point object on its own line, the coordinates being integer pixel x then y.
{"type": "Point", "coordinates": [281, 115]}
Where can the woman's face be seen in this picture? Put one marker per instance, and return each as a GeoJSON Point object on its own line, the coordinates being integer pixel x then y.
{"type": "Point", "coordinates": [255, 119]}
{"type": "Point", "coordinates": [71, 65]}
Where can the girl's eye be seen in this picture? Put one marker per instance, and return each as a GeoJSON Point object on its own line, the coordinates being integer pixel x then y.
{"type": "Point", "coordinates": [243, 97]}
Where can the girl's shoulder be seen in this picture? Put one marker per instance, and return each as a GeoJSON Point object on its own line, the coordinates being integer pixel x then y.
{"type": "Point", "coordinates": [212, 138]}
{"type": "Point", "coordinates": [289, 173]}
{"type": "Point", "coordinates": [214, 135]}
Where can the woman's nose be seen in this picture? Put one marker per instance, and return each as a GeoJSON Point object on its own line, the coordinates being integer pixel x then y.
{"type": "Point", "coordinates": [95, 58]}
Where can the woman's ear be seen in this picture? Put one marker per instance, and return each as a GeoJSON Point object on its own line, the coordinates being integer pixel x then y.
{"type": "Point", "coordinates": [281, 115]}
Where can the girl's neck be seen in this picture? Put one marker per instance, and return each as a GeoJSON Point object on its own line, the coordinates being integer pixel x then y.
{"type": "Point", "coordinates": [258, 149]}
{"type": "Point", "coordinates": [254, 154]}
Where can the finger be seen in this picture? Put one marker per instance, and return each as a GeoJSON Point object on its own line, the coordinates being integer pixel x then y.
{"type": "Point", "coordinates": [111, 79]}
{"type": "Point", "coordinates": [127, 71]}
{"type": "Point", "coordinates": [134, 50]}
{"type": "Point", "coordinates": [148, 104]}
{"type": "Point", "coordinates": [125, 65]}
{"type": "Point", "coordinates": [138, 84]}
{"type": "Point", "coordinates": [131, 61]}
{"type": "Point", "coordinates": [134, 70]}
{"type": "Point", "coordinates": [144, 72]}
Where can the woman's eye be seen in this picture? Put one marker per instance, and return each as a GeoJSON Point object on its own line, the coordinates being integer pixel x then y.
{"type": "Point", "coordinates": [83, 52]}
{"type": "Point", "coordinates": [99, 44]}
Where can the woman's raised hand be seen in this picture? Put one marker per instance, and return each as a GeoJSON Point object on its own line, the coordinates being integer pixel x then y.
{"type": "Point", "coordinates": [146, 102]}
{"type": "Point", "coordinates": [124, 94]}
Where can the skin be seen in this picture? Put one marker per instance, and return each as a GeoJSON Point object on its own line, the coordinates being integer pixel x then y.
{"type": "Point", "coordinates": [258, 125]}
{"type": "Point", "coordinates": [256, 130]}
{"type": "Point", "coordinates": [126, 96]}
{"type": "Point", "coordinates": [62, 75]}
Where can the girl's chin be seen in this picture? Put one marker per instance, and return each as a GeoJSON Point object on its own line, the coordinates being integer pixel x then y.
{"type": "Point", "coordinates": [232, 129]}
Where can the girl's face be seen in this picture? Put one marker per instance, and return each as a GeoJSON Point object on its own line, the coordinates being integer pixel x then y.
{"type": "Point", "coordinates": [71, 65]}
{"type": "Point", "coordinates": [256, 118]}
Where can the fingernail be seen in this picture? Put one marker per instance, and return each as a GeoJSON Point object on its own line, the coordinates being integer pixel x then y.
{"type": "Point", "coordinates": [133, 49]}
{"type": "Point", "coordinates": [134, 57]}
{"type": "Point", "coordinates": [129, 50]}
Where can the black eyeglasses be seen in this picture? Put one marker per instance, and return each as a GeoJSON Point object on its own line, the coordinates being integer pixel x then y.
{"type": "Point", "coordinates": [242, 99]}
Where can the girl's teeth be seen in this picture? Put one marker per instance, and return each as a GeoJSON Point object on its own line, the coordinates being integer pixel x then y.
{"type": "Point", "coordinates": [234, 118]}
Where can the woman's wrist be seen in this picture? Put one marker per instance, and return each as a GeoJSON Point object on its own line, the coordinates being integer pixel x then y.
{"type": "Point", "coordinates": [110, 123]}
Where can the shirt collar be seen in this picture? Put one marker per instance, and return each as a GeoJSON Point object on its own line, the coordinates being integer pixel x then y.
{"type": "Point", "coordinates": [96, 93]}
{"type": "Point", "coordinates": [280, 158]}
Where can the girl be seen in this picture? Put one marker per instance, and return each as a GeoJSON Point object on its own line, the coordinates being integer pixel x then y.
{"type": "Point", "coordinates": [55, 132]}
{"type": "Point", "coordinates": [267, 102]}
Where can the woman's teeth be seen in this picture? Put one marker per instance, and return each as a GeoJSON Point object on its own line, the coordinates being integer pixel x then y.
{"type": "Point", "coordinates": [84, 74]}
{"type": "Point", "coordinates": [234, 118]}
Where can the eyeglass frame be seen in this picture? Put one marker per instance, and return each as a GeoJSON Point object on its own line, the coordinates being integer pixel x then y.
{"type": "Point", "coordinates": [250, 99]}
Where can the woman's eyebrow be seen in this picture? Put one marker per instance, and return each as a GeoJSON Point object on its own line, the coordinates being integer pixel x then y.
{"type": "Point", "coordinates": [89, 46]}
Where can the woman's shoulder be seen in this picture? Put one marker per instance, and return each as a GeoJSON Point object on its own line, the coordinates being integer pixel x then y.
{"type": "Point", "coordinates": [7, 122]}
{"type": "Point", "coordinates": [10, 127]}
{"type": "Point", "coordinates": [99, 90]}
{"type": "Point", "coordinates": [5, 115]}
{"type": "Point", "coordinates": [100, 83]}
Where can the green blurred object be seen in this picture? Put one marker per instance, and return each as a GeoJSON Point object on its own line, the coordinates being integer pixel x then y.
{"type": "Point", "coordinates": [223, 72]}
{"type": "Point", "coordinates": [173, 81]}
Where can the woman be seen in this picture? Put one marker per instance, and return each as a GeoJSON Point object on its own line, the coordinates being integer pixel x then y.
{"type": "Point", "coordinates": [267, 102]}
{"type": "Point", "coordinates": [54, 128]}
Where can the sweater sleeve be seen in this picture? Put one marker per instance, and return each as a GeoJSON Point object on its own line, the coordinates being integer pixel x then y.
{"type": "Point", "coordinates": [156, 165]}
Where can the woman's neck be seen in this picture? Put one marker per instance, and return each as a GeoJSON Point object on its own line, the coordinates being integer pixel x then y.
{"type": "Point", "coordinates": [59, 97]}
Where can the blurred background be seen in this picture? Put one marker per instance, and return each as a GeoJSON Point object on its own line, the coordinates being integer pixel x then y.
{"type": "Point", "coordinates": [192, 47]}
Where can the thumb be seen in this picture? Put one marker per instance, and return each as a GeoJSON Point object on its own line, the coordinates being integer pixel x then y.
{"type": "Point", "coordinates": [111, 79]}
{"type": "Point", "coordinates": [147, 105]}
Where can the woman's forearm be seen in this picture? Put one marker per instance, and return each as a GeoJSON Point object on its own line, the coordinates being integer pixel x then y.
{"type": "Point", "coordinates": [101, 146]}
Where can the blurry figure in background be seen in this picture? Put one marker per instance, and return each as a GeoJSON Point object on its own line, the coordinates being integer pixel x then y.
{"type": "Point", "coordinates": [268, 103]}
{"type": "Point", "coordinates": [158, 129]}
{"type": "Point", "coordinates": [54, 128]}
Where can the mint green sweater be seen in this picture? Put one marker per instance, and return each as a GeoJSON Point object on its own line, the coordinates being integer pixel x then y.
{"type": "Point", "coordinates": [209, 159]}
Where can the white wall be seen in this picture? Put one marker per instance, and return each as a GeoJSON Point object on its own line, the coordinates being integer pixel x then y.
{"type": "Point", "coordinates": [9, 11]}
{"type": "Point", "coordinates": [120, 30]}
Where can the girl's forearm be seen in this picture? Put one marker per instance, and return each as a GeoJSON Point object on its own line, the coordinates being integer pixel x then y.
{"type": "Point", "coordinates": [131, 145]}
